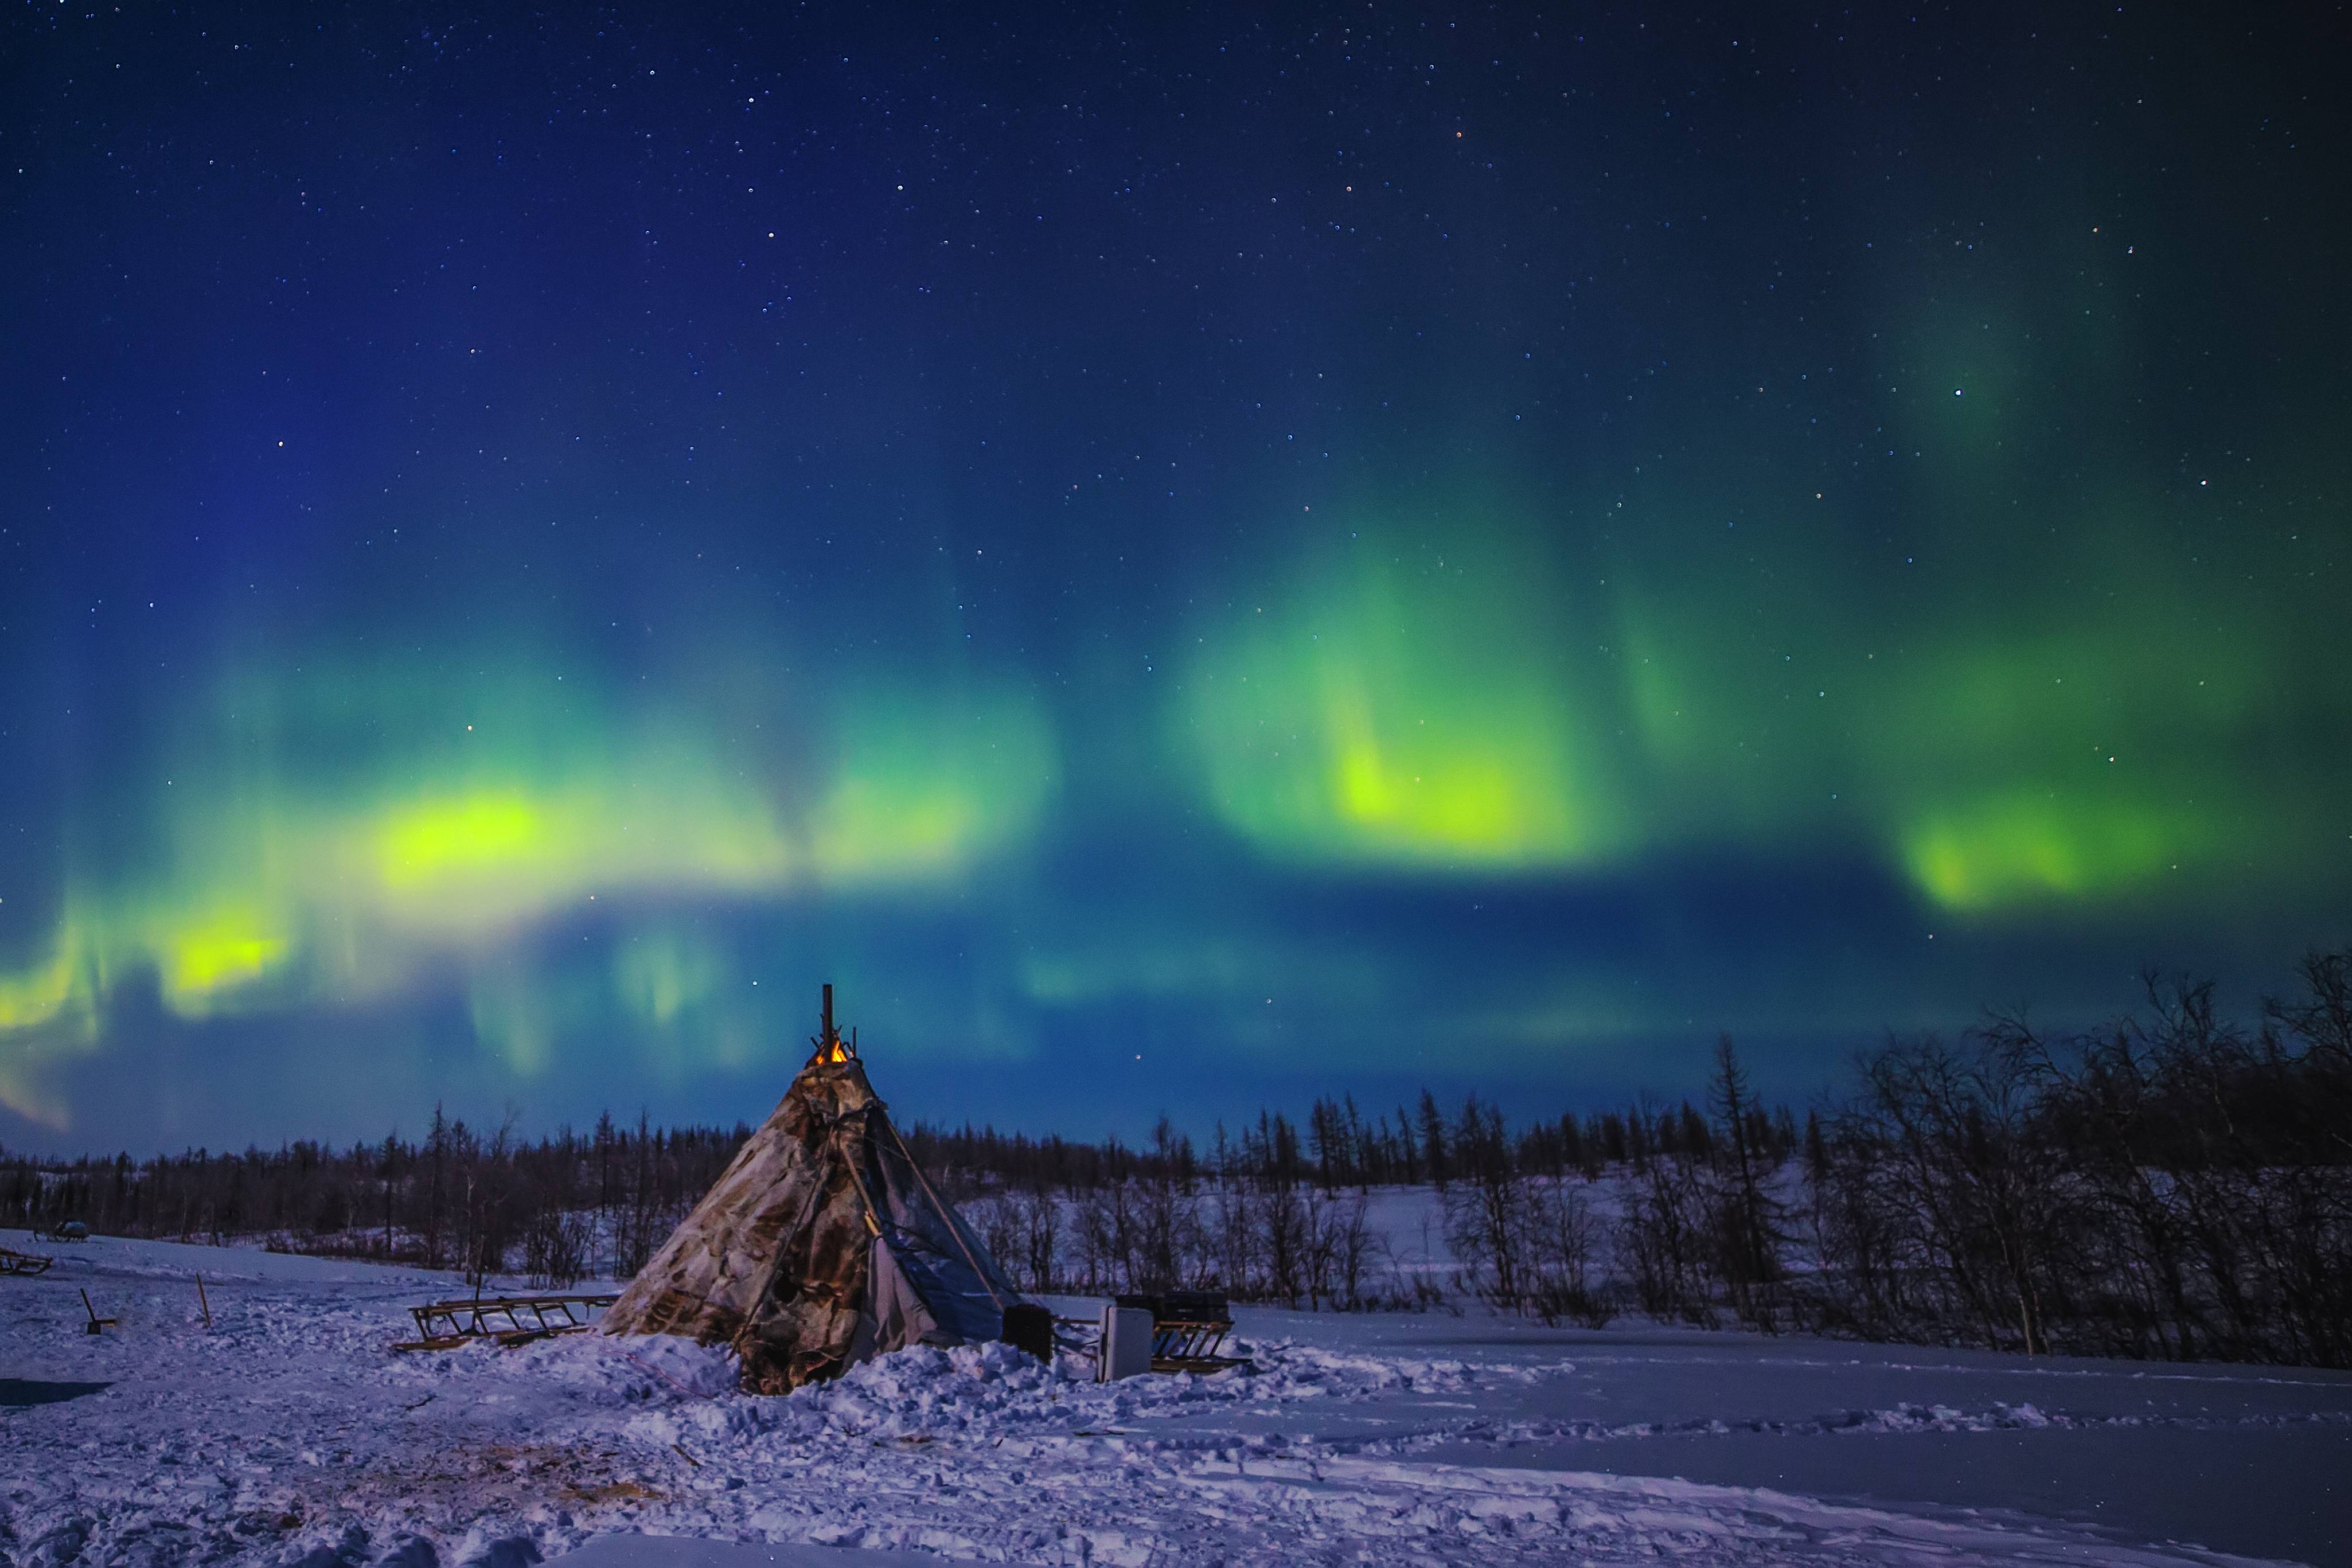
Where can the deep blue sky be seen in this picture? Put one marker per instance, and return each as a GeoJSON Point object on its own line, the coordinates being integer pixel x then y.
{"type": "Point", "coordinates": [1183, 560]}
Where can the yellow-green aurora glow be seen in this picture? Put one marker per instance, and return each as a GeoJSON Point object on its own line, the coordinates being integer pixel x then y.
{"type": "Point", "coordinates": [1475, 711]}
{"type": "Point", "coordinates": [1418, 710]}
{"type": "Point", "coordinates": [1432, 708]}
{"type": "Point", "coordinates": [283, 871]}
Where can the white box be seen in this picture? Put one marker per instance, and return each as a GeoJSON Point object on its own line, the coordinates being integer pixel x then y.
{"type": "Point", "coordinates": [1126, 1343]}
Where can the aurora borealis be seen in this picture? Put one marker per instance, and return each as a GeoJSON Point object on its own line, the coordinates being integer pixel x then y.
{"type": "Point", "coordinates": [1181, 562]}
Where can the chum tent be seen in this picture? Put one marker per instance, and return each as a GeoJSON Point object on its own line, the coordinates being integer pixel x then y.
{"type": "Point", "coordinates": [822, 1244]}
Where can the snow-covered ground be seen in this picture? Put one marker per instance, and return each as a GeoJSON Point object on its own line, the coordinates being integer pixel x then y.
{"type": "Point", "coordinates": [288, 1433]}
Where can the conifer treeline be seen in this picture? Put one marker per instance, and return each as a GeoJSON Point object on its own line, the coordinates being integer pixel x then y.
{"type": "Point", "coordinates": [2173, 1185]}
{"type": "Point", "coordinates": [1338, 1147]}
{"type": "Point", "coordinates": [567, 1204]}
{"type": "Point", "coordinates": [560, 1208]}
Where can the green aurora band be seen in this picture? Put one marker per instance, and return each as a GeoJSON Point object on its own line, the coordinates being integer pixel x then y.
{"type": "Point", "coordinates": [1442, 709]}
{"type": "Point", "coordinates": [335, 840]}
{"type": "Point", "coordinates": [1472, 710]}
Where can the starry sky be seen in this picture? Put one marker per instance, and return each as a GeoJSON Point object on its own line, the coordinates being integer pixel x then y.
{"type": "Point", "coordinates": [1184, 559]}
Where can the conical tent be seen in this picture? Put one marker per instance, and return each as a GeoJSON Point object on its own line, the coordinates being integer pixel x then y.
{"type": "Point", "coordinates": [820, 1246]}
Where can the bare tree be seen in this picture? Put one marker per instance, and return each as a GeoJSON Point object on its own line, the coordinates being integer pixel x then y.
{"type": "Point", "coordinates": [1747, 1220]}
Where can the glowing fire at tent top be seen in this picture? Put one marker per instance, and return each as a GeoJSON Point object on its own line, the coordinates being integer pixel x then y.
{"type": "Point", "coordinates": [830, 1045]}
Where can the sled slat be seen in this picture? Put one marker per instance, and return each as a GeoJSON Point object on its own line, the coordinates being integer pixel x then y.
{"type": "Point", "coordinates": [508, 1321]}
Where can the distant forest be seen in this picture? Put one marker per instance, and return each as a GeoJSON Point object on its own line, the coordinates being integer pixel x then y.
{"type": "Point", "coordinates": [2174, 1185]}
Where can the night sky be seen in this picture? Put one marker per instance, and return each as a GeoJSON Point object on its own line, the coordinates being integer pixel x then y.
{"type": "Point", "coordinates": [1183, 560]}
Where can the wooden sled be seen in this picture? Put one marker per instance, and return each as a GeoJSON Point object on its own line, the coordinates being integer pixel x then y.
{"type": "Point", "coordinates": [508, 1321]}
{"type": "Point", "coordinates": [1188, 1330]}
{"type": "Point", "coordinates": [26, 1263]}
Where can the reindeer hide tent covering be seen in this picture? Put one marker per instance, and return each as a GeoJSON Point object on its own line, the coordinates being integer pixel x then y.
{"type": "Point", "coordinates": [820, 1246]}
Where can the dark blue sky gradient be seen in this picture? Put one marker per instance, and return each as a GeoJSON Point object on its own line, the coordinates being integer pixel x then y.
{"type": "Point", "coordinates": [1183, 560]}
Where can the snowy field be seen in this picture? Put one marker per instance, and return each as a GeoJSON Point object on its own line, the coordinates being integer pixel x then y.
{"type": "Point", "coordinates": [287, 1433]}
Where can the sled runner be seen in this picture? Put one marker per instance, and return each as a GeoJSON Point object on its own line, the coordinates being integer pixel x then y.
{"type": "Point", "coordinates": [508, 1321]}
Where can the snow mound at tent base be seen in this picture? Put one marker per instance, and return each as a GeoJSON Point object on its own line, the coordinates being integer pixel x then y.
{"type": "Point", "coordinates": [993, 1390]}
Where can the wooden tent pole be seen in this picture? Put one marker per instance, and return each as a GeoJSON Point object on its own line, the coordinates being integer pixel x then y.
{"type": "Point", "coordinates": [873, 1227]}
{"type": "Point", "coordinates": [946, 1218]}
